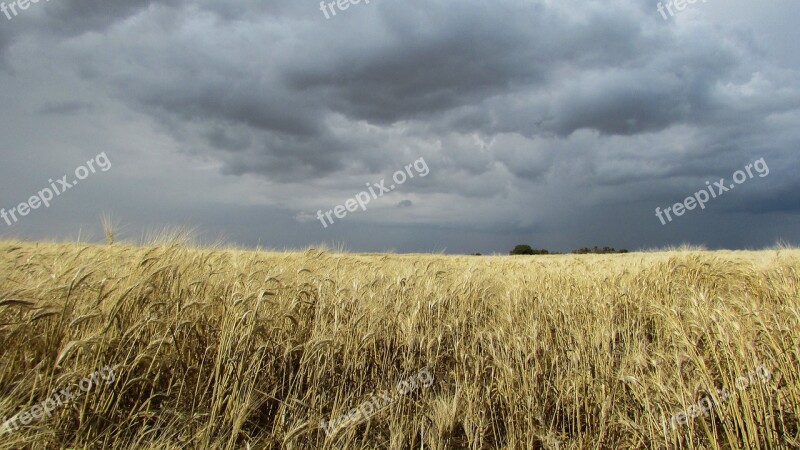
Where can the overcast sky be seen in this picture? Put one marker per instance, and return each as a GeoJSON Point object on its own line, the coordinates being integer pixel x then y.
{"type": "Point", "coordinates": [559, 124]}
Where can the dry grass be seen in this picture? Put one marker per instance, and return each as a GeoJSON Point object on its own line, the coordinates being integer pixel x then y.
{"type": "Point", "coordinates": [233, 349]}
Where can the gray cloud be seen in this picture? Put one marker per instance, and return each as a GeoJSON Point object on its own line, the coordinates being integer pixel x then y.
{"type": "Point", "coordinates": [66, 107]}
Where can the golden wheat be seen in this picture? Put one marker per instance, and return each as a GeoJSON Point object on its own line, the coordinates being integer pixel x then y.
{"type": "Point", "coordinates": [229, 349]}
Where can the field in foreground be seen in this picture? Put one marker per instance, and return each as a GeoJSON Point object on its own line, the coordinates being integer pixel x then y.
{"type": "Point", "coordinates": [170, 347]}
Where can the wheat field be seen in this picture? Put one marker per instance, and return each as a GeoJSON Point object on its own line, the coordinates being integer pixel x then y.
{"type": "Point", "coordinates": [217, 348]}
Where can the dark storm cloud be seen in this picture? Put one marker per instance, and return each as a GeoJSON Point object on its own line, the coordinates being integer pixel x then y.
{"type": "Point", "coordinates": [785, 200]}
{"type": "Point", "coordinates": [433, 57]}
{"type": "Point", "coordinates": [245, 102]}
{"type": "Point", "coordinates": [287, 157]}
{"type": "Point", "coordinates": [70, 18]}
{"type": "Point", "coordinates": [434, 64]}
{"type": "Point", "coordinates": [220, 138]}
{"type": "Point", "coordinates": [536, 113]}
{"type": "Point", "coordinates": [75, 17]}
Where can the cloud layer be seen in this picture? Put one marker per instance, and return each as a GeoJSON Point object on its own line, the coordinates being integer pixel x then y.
{"type": "Point", "coordinates": [541, 121]}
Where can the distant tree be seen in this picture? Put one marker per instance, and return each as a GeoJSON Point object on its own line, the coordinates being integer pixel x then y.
{"type": "Point", "coordinates": [528, 250]}
{"type": "Point", "coordinates": [522, 250]}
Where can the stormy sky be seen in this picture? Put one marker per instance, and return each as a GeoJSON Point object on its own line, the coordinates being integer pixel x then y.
{"type": "Point", "coordinates": [559, 124]}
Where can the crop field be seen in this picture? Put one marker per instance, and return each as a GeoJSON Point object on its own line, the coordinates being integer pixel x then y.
{"type": "Point", "coordinates": [171, 346]}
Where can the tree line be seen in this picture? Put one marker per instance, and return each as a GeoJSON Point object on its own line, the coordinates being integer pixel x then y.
{"type": "Point", "coordinates": [524, 249]}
